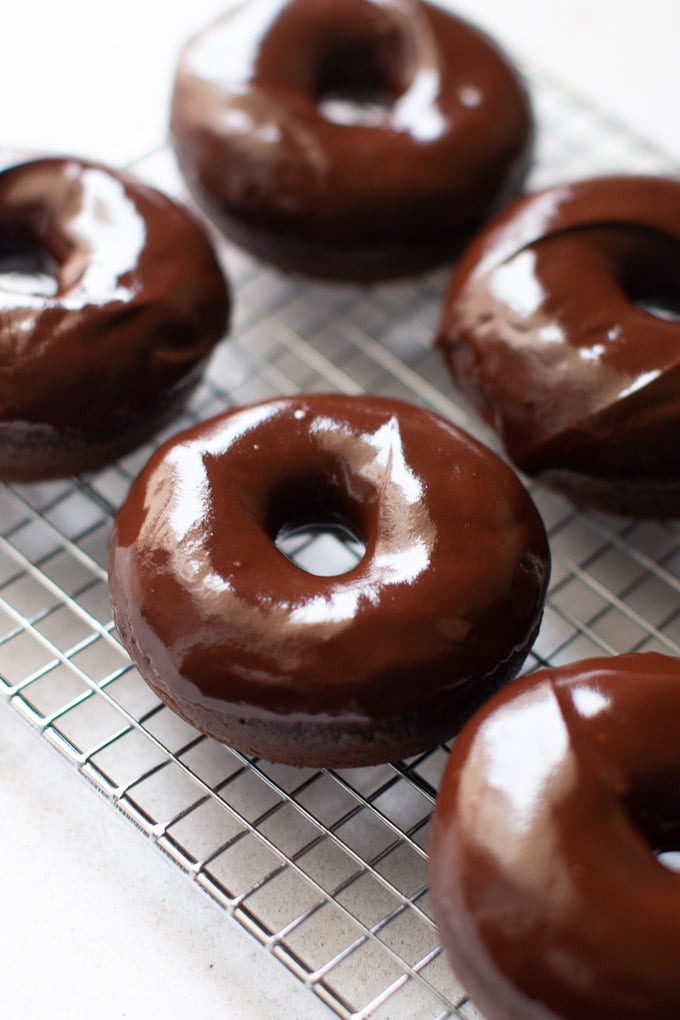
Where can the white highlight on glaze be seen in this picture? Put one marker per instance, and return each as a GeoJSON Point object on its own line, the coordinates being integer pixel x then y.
{"type": "Point", "coordinates": [589, 702]}
{"type": "Point", "coordinates": [339, 605]}
{"type": "Point", "coordinates": [593, 353]}
{"type": "Point", "coordinates": [416, 112]}
{"type": "Point", "coordinates": [470, 97]}
{"type": "Point", "coordinates": [223, 436]}
{"type": "Point", "coordinates": [120, 238]}
{"type": "Point", "coordinates": [639, 382]}
{"type": "Point", "coordinates": [551, 333]}
{"type": "Point", "coordinates": [191, 487]}
{"type": "Point", "coordinates": [237, 120]}
{"type": "Point", "coordinates": [387, 468]}
{"type": "Point", "coordinates": [524, 754]}
{"type": "Point", "coordinates": [390, 458]}
{"type": "Point", "coordinates": [515, 285]}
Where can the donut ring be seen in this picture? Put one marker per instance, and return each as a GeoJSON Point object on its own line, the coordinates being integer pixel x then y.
{"type": "Point", "coordinates": [354, 139]}
{"type": "Point", "coordinates": [372, 665]}
{"type": "Point", "coordinates": [549, 897]}
{"type": "Point", "coordinates": [543, 330]}
{"type": "Point", "coordinates": [134, 300]}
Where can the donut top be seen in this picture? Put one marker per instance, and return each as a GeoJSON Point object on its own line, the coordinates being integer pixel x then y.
{"type": "Point", "coordinates": [545, 327]}
{"type": "Point", "coordinates": [455, 567]}
{"type": "Point", "coordinates": [127, 298]}
{"type": "Point", "coordinates": [557, 795]}
{"type": "Point", "coordinates": [350, 116]}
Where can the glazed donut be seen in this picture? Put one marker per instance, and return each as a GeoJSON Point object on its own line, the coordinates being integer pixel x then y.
{"type": "Point", "coordinates": [368, 666]}
{"type": "Point", "coordinates": [546, 330]}
{"type": "Point", "coordinates": [546, 887]}
{"type": "Point", "coordinates": [350, 139]}
{"type": "Point", "coordinates": [110, 301]}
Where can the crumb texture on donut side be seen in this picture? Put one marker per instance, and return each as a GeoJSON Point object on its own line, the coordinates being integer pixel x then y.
{"type": "Point", "coordinates": [380, 662]}
{"type": "Point", "coordinates": [111, 300]}
{"type": "Point", "coordinates": [354, 139]}
{"type": "Point", "coordinates": [546, 885]}
{"type": "Point", "coordinates": [559, 328]}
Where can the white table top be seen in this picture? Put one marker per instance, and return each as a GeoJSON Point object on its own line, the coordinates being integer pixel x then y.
{"type": "Point", "coordinates": [95, 922]}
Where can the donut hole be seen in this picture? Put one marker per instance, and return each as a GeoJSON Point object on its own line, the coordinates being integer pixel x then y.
{"type": "Point", "coordinates": [326, 547]}
{"type": "Point", "coordinates": [649, 270]}
{"type": "Point", "coordinates": [665, 307]}
{"type": "Point", "coordinates": [316, 526]}
{"type": "Point", "coordinates": [358, 80]}
{"type": "Point", "coordinates": [26, 267]}
{"type": "Point", "coordinates": [654, 808]}
{"type": "Point", "coordinates": [670, 859]}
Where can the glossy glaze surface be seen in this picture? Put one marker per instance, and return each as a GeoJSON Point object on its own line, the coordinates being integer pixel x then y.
{"type": "Point", "coordinates": [111, 299]}
{"type": "Point", "coordinates": [543, 329]}
{"type": "Point", "coordinates": [547, 891]}
{"type": "Point", "coordinates": [349, 138]}
{"type": "Point", "coordinates": [366, 666]}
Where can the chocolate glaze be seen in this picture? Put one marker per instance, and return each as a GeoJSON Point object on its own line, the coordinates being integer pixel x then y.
{"type": "Point", "coordinates": [352, 139]}
{"type": "Point", "coordinates": [108, 347]}
{"type": "Point", "coordinates": [543, 330]}
{"type": "Point", "coordinates": [549, 897]}
{"type": "Point", "coordinates": [375, 664]}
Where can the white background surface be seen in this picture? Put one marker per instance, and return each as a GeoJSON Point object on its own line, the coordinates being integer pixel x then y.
{"type": "Point", "coordinates": [95, 923]}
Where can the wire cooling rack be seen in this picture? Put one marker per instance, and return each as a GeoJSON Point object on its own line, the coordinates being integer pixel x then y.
{"type": "Point", "coordinates": [327, 870]}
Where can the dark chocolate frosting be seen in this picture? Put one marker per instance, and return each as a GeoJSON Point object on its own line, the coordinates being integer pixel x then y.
{"type": "Point", "coordinates": [546, 885]}
{"type": "Point", "coordinates": [351, 139]}
{"type": "Point", "coordinates": [374, 664]}
{"type": "Point", "coordinates": [546, 329]}
{"type": "Point", "coordinates": [108, 346]}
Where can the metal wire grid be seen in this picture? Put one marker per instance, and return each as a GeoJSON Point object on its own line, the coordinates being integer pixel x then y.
{"type": "Point", "coordinates": [327, 870]}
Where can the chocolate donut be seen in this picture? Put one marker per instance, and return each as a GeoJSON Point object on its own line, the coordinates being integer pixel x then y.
{"type": "Point", "coordinates": [111, 300]}
{"type": "Point", "coordinates": [350, 139]}
{"type": "Point", "coordinates": [546, 887]}
{"type": "Point", "coordinates": [368, 666]}
{"type": "Point", "coordinates": [547, 329]}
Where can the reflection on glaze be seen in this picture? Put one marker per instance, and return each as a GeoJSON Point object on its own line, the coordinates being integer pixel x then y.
{"type": "Point", "coordinates": [418, 112]}
{"type": "Point", "coordinates": [449, 590]}
{"type": "Point", "coordinates": [520, 755]}
{"type": "Point", "coordinates": [641, 381]}
{"type": "Point", "coordinates": [350, 138]}
{"type": "Point", "coordinates": [187, 487]}
{"type": "Point", "coordinates": [589, 702]}
{"type": "Point", "coordinates": [91, 230]}
{"type": "Point", "coordinates": [544, 329]}
{"type": "Point", "coordinates": [93, 364]}
{"type": "Point", "coordinates": [515, 285]}
{"type": "Point", "coordinates": [546, 887]}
